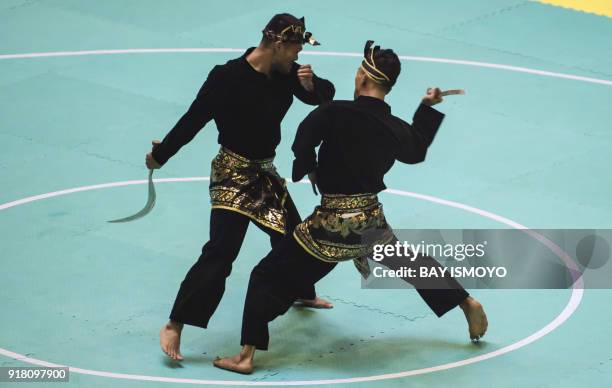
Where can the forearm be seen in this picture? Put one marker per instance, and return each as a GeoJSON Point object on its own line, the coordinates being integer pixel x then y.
{"type": "Point", "coordinates": [323, 89]}
{"type": "Point", "coordinates": [182, 133]}
{"type": "Point", "coordinates": [304, 163]}
{"type": "Point", "coordinates": [415, 139]}
{"type": "Point", "coordinates": [427, 121]}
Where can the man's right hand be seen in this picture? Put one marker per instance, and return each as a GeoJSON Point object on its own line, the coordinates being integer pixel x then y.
{"type": "Point", "coordinates": [149, 160]}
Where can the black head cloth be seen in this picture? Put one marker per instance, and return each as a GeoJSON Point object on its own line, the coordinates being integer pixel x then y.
{"type": "Point", "coordinates": [285, 27]}
{"type": "Point", "coordinates": [372, 70]}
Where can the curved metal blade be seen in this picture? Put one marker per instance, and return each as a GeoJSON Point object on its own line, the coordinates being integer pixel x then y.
{"type": "Point", "coordinates": [452, 92]}
{"type": "Point", "coordinates": [148, 206]}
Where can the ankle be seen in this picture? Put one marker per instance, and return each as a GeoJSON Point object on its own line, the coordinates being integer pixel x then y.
{"type": "Point", "coordinates": [467, 303]}
{"type": "Point", "coordinates": [173, 325]}
{"type": "Point", "coordinates": [247, 352]}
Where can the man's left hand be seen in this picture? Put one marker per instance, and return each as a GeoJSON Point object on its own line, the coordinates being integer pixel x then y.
{"type": "Point", "coordinates": [305, 76]}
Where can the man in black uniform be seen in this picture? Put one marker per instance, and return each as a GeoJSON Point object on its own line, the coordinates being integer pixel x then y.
{"type": "Point", "coordinates": [360, 141]}
{"type": "Point", "coordinates": [248, 98]}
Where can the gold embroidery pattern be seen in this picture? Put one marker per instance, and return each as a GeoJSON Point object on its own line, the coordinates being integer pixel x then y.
{"type": "Point", "coordinates": [345, 227]}
{"type": "Point", "coordinates": [249, 187]}
{"type": "Point", "coordinates": [348, 202]}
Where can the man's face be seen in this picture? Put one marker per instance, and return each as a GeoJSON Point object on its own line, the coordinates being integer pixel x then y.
{"type": "Point", "coordinates": [285, 53]}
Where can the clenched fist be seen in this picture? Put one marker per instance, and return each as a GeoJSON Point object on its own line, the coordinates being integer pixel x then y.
{"type": "Point", "coordinates": [149, 160]}
{"type": "Point", "coordinates": [433, 97]}
{"type": "Point", "coordinates": [305, 75]}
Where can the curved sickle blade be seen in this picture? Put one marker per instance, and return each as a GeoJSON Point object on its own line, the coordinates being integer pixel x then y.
{"type": "Point", "coordinates": [148, 206]}
{"type": "Point", "coordinates": [452, 92]}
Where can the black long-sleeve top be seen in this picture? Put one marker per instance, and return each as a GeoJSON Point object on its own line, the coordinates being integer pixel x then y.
{"type": "Point", "coordinates": [360, 140]}
{"type": "Point", "coordinates": [247, 106]}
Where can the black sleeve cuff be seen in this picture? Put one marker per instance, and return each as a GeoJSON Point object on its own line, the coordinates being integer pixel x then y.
{"type": "Point", "coordinates": [428, 117]}
{"type": "Point", "coordinates": [159, 156]}
{"type": "Point", "coordinates": [301, 168]}
{"type": "Point", "coordinates": [323, 89]}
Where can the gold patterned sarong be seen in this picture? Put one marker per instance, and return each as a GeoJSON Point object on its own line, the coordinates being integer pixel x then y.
{"type": "Point", "coordinates": [249, 187]}
{"type": "Point", "coordinates": [345, 227]}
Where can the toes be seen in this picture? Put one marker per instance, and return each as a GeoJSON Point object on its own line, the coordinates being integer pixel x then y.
{"type": "Point", "coordinates": [220, 363]}
{"type": "Point", "coordinates": [231, 365]}
{"type": "Point", "coordinates": [316, 303]}
{"type": "Point", "coordinates": [325, 303]}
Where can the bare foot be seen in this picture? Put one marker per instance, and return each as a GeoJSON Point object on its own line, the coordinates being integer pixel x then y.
{"type": "Point", "coordinates": [476, 317]}
{"type": "Point", "coordinates": [240, 363]}
{"type": "Point", "coordinates": [316, 303]}
{"type": "Point", "coordinates": [170, 340]}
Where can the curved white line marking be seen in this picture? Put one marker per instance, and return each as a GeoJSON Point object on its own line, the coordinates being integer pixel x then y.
{"type": "Point", "coordinates": [572, 305]}
{"type": "Point", "coordinates": [118, 52]}
{"type": "Point", "coordinates": [517, 69]}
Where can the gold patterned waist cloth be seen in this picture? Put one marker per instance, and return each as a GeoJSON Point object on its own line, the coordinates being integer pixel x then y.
{"type": "Point", "coordinates": [250, 187]}
{"type": "Point", "coordinates": [345, 227]}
